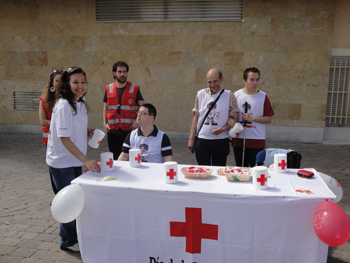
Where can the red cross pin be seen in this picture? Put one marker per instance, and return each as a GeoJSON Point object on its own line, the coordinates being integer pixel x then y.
{"type": "Point", "coordinates": [194, 230]}
{"type": "Point", "coordinates": [138, 158]}
{"type": "Point", "coordinates": [282, 164]}
{"type": "Point", "coordinates": [110, 163]}
{"type": "Point", "coordinates": [171, 174]}
{"type": "Point", "coordinates": [262, 179]}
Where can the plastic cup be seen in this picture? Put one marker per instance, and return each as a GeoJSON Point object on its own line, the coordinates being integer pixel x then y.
{"type": "Point", "coordinates": [280, 163]}
{"type": "Point", "coordinates": [107, 162]}
{"type": "Point", "coordinates": [135, 157]}
{"type": "Point", "coordinates": [260, 177]}
{"type": "Point", "coordinates": [170, 172]}
{"type": "Point", "coordinates": [235, 130]}
{"type": "Point", "coordinates": [96, 139]}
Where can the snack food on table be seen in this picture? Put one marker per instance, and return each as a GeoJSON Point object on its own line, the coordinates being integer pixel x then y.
{"type": "Point", "coordinates": [241, 174]}
{"type": "Point", "coordinates": [220, 171]}
{"type": "Point", "coordinates": [196, 172]}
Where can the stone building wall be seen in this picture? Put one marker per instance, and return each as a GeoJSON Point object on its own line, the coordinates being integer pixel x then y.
{"type": "Point", "coordinates": [289, 41]}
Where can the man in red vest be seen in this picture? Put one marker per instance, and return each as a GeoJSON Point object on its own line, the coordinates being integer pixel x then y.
{"type": "Point", "coordinates": [122, 100]}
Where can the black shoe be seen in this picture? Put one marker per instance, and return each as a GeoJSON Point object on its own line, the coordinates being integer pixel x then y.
{"type": "Point", "coordinates": [74, 248]}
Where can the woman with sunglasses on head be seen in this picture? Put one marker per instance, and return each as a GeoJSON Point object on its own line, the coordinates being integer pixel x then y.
{"type": "Point", "coordinates": [47, 100]}
{"type": "Point", "coordinates": [67, 142]}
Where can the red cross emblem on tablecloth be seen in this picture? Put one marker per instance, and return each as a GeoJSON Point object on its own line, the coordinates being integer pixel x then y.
{"type": "Point", "coordinates": [194, 230]}
{"type": "Point", "coordinates": [138, 158]}
{"type": "Point", "coordinates": [262, 179]}
{"type": "Point", "coordinates": [171, 174]}
{"type": "Point", "coordinates": [317, 221]}
{"type": "Point", "coordinates": [282, 164]}
{"type": "Point", "coordinates": [99, 142]}
{"type": "Point", "coordinates": [110, 163]}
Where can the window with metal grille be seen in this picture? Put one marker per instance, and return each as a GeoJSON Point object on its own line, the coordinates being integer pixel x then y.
{"type": "Point", "coordinates": [168, 10]}
{"type": "Point", "coordinates": [26, 100]}
{"type": "Point", "coordinates": [338, 108]}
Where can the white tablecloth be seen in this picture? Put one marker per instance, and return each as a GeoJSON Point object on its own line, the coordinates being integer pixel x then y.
{"type": "Point", "coordinates": [134, 218]}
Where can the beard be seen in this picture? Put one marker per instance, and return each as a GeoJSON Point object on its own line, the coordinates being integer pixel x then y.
{"type": "Point", "coordinates": [121, 79]}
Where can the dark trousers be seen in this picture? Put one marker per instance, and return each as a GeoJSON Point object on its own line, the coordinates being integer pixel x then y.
{"type": "Point", "coordinates": [53, 184]}
{"type": "Point", "coordinates": [62, 177]}
{"type": "Point", "coordinates": [212, 152]}
{"type": "Point", "coordinates": [51, 180]}
{"type": "Point", "coordinates": [115, 143]}
{"type": "Point", "coordinates": [249, 156]}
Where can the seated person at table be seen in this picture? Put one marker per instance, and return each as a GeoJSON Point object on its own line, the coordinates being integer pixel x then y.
{"type": "Point", "coordinates": [154, 144]}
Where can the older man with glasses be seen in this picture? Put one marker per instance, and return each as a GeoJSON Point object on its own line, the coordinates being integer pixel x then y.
{"type": "Point", "coordinates": [215, 112]}
{"type": "Point", "coordinates": [148, 137]}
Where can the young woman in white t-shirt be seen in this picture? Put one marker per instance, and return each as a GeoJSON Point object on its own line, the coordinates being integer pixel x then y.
{"type": "Point", "coordinates": [67, 142]}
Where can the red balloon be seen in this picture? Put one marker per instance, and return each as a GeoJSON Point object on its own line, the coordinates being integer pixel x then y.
{"type": "Point", "coordinates": [331, 224]}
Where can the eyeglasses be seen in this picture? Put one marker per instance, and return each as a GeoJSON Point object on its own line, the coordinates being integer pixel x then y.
{"type": "Point", "coordinates": [142, 113]}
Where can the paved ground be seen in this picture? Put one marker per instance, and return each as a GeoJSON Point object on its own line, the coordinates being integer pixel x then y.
{"type": "Point", "coordinates": [29, 234]}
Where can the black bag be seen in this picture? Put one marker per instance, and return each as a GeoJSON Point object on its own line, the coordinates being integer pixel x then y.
{"type": "Point", "coordinates": [293, 159]}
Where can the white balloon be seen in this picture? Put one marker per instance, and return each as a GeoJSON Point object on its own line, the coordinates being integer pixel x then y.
{"type": "Point", "coordinates": [334, 185]}
{"type": "Point", "coordinates": [68, 203]}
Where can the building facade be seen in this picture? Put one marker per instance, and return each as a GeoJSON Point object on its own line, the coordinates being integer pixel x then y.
{"type": "Point", "coordinates": [291, 42]}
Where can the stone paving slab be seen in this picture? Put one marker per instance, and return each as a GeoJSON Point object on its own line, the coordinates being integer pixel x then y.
{"type": "Point", "coordinates": [29, 234]}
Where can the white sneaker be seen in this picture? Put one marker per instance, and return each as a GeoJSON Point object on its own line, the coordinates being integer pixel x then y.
{"type": "Point", "coordinates": [74, 248]}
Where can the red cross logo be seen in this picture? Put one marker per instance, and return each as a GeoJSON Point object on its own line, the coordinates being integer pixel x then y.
{"type": "Point", "coordinates": [110, 163]}
{"type": "Point", "coordinates": [194, 230]}
{"type": "Point", "coordinates": [282, 164]}
{"type": "Point", "coordinates": [262, 179]}
{"type": "Point", "coordinates": [317, 221]}
{"type": "Point", "coordinates": [138, 158]}
{"type": "Point", "coordinates": [99, 142]}
{"type": "Point", "coordinates": [171, 174]}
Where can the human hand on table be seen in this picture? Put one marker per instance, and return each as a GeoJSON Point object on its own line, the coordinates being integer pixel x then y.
{"type": "Point", "coordinates": [93, 166]}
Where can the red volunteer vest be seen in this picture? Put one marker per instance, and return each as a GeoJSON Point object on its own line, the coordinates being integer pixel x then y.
{"type": "Point", "coordinates": [48, 114]}
{"type": "Point", "coordinates": [128, 106]}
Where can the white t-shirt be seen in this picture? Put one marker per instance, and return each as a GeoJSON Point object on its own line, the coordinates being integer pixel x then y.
{"type": "Point", "coordinates": [65, 124]}
{"type": "Point", "coordinates": [153, 154]}
{"type": "Point", "coordinates": [217, 117]}
{"type": "Point", "coordinates": [255, 108]}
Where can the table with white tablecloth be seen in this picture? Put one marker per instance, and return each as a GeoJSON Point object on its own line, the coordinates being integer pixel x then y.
{"type": "Point", "coordinates": [137, 217]}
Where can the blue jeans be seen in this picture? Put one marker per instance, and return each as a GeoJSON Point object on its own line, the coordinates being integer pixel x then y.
{"type": "Point", "coordinates": [62, 177]}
